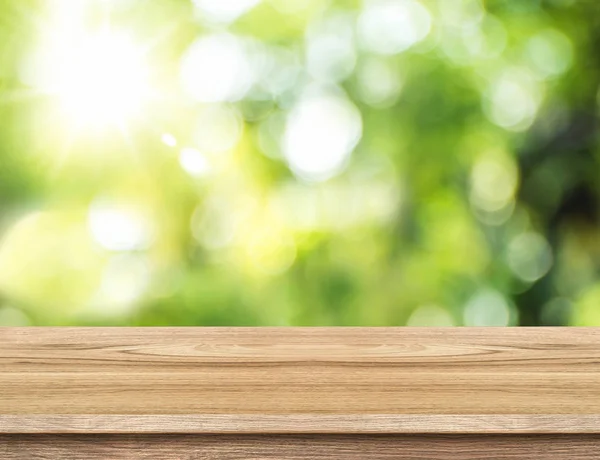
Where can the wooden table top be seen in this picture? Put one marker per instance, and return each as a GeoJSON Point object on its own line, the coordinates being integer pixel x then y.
{"type": "Point", "coordinates": [300, 380]}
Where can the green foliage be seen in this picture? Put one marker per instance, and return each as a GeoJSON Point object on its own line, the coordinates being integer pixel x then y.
{"type": "Point", "coordinates": [299, 162]}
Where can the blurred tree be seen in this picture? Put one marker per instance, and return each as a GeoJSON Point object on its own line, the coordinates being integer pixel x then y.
{"type": "Point", "coordinates": [299, 162]}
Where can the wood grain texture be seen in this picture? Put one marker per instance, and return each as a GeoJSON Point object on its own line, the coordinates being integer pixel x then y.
{"type": "Point", "coordinates": [303, 423]}
{"type": "Point", "coordinates": [471, 380]}
{"type": "Point", "coordinates": [324, 447]}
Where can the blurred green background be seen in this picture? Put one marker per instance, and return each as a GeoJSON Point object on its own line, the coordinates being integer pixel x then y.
{"type": "Point", "coordinates": [299, 162]}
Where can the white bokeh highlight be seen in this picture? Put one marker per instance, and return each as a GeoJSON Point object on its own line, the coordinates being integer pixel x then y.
{"type": "Point", "coordinates": [513, 99]}
{"type": "Point", "coordinates": [118, 228]}
{"type": "Point", "coordinates": [194, 162]}
{"type": "Point", "coordinates": [218, 68]}
{"type": "Point", "coordinates": [169, 140]}
{"type": "Point", "coordinates": [223, 11]}
{"type": "Point", "coordinates": [529, 256]}
{"type": "Point", "coordinates": [393, 26]}
{"type": "Point", "coordinates": [321, 132]}
{"type": "Point", "coordinates": [379, 82]}
{"type": "Point", "coordinates": [330, 48]}
{"type": "Point", "coordinates": [125, 279]}
{"type": "Point", "coordinates": [487, 308]}
{"type": "Point", "coordinates": [550, 53]}
{"type": "Point", "coordinates": [493, 183]}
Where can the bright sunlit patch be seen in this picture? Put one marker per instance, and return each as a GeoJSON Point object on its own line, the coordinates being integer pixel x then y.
{"type": "Point", "coordinates": [330, 52]}
{"type": "Point", "coordinates": [467, 43]}
{"type": "Point", "coordinates": [169, 140]}
{"type": "Point", "coordinates": [125, 279]}
{"type": "Point", "coordinates": [462, 13]}
{"type": "Point", "coordinates": [194, 162]}
{"type": "Point", "coordinates": [216, 223]}
{"type": "Point", "coordinates": [529, 256]}
{"type": "Point", "coordinates": [102, 80]}
{"type": "Point", "coordinates": [513, 100]}
{"type": "Point", "coordinates": [218, 68]}
{"type": "Point", "coordinates": [321, 133]}
{"type": "Point", "coordinates": [334, 206]}
{"type": "Point", "coordinates": [379, 82]}
{"type": "Point", "coordinates": [487, 308]}
{"type": "Point", "coordinates": [390, 27]}
{"type": "Point", "coordinates": [223, 11]}
{"type": "Point", "coordinates": [550, 53]}
{"type": "Point", "coordinates": [493, 182]}
{"type": "Point", "coordinates": [117, 228]}
{"type": "Point", "coordinates": [282, 70]}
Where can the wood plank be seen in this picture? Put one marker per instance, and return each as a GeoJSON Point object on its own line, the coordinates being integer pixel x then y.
{"type": "Point", "coordinates": [329, 379]}
{"type": "Point", "coordinates": [324, 447]}
{"type": "Point", "coordinates": [302, 423]}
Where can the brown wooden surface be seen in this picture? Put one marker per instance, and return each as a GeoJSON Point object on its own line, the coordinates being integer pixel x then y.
{"type": "Point", "coordinates": [303, 423]}
{"type": "Point", "coordinates": [315, 447]}
{"type": "Point", "coordinates": [233, 379]}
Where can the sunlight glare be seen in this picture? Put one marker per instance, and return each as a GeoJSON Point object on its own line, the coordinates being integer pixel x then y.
{"type": "Point", "coordinates": [103, 80]}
